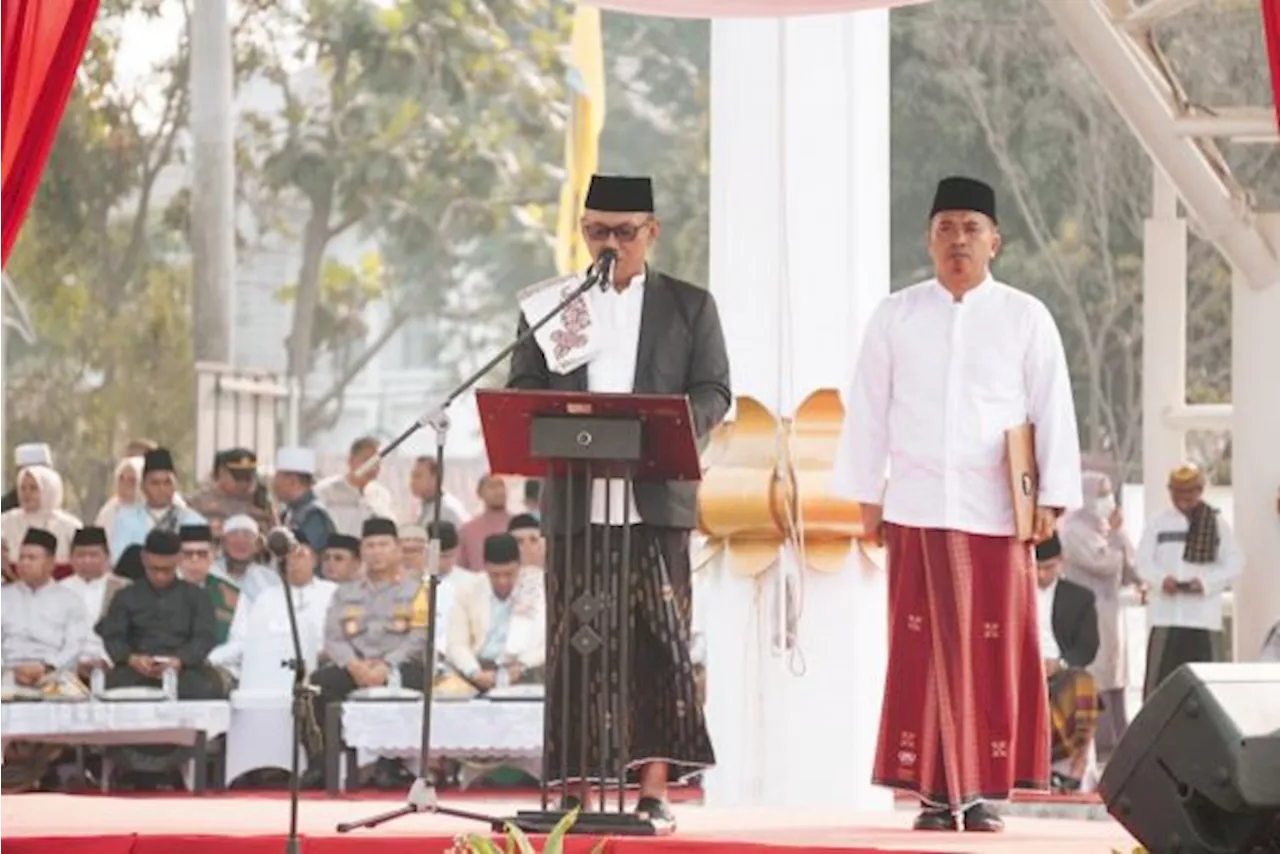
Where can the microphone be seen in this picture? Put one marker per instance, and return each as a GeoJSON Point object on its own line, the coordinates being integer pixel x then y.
{"type": "Point", "coordinates": [604, 268]}
{"type": "Point", "coordinates": [281, 542]}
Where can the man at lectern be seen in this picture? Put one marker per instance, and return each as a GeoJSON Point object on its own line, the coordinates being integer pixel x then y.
{"type": "Point", "coordinates": [947, 366]}
{"type": "Point", "coordinates": [645, 333]}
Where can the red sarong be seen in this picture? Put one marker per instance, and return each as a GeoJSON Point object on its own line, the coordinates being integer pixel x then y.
{"type": "Point", "coordinates": [966, 710]}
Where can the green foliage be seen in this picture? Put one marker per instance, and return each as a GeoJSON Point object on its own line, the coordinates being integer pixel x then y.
{"type": "Point", "coordinates": [102, 272]}
{"type": "Point", "coordinates": [421, 128]}
{"type": "Point", "coordinates": [519, 843]}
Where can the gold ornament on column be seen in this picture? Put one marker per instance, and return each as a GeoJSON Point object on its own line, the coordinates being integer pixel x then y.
{"type": "Point", "coordinates": [768, 480]}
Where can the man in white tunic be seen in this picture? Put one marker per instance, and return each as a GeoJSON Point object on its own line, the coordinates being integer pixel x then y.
{"type": "Point", "coordinates": [946, 367]}
{"type": "Point", "coordinates": [93, 582]}
{"type": "Point", "coordinates": [648, 333]}
{"type": "Point", "coordinates": [1188, 557]}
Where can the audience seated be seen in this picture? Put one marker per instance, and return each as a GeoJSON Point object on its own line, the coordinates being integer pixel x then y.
{"type": "Point", "coordinates": [162, 622]}
{"type": "Point", "coordinates": [96, 586]}
{"type": "Point", "coordinates": [497, 623]}
{"type": "Point", "coordinates": [196, 567]}
{"type": "Point", "coordinates": [1068, 621]}
{"type": "Point", "coordinates": [369, 629]}
{"type": "Point", "coordinates": [340, 562]}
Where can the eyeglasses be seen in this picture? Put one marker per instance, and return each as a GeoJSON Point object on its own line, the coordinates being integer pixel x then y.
{"type": "Point", "coordinates": [625, 233]}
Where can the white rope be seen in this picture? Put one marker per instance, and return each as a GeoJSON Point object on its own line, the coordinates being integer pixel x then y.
{"type": "Point", "coordinates": [790, 583]}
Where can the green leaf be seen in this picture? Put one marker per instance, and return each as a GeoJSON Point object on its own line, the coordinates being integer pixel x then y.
{"type": "Point", "coordinates": [522, 843]}
{"type": "Point", "coordinates": [555, 839]}
{"type": "Point", "coordinates": [477, 844]}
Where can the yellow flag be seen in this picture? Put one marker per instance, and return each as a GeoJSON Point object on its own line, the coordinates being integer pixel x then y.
{"type": "Point", "coordinates": [582, 135]}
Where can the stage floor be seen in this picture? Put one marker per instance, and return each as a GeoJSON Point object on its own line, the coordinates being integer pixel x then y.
{"type": "Point", "coordinates": [97, 824]}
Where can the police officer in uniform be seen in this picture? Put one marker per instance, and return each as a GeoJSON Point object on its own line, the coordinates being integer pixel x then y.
{"type": "Point", "coordinates": [369, 630]}
{"type": "Point", "coordinates": [293, 485]}
{"type": "Point", "coordinates": [234, 490]}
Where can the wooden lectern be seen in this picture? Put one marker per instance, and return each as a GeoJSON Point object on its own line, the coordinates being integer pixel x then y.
{"type": "Point", "coordinates": [572, 439]}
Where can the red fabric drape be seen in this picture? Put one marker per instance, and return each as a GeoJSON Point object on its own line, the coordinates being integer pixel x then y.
{"type": "Point", "coordinates": [43, 43]}
{"type": "Point", "coordinates": [1271, 28]}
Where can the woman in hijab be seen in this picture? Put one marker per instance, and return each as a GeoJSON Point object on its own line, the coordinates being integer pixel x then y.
{"type": "Point", "coordinates": [1099, 556]}
{"type": "Point", "coordinates": [127, 493]}
{"type": "Point", "coordinates": [40, 506]}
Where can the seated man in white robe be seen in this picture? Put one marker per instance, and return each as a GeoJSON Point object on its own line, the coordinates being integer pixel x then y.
{"type": "Point", "coordinates": [95, 584]}
{"type": "Point", "coordinates": [497, 625]}
{"type": "Point", "coordinates": [261, 626]}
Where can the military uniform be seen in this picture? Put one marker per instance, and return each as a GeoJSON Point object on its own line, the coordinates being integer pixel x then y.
{"type": "Point", "coordinates": [215, 505]}
{"type": "Point", "coordinates": [372, 621]}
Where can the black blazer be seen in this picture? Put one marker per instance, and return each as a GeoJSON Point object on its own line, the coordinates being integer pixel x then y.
{"type": "Point", "coordinates": [1075, 623]}
{"type": "Point", "coordinates": [681, 351]}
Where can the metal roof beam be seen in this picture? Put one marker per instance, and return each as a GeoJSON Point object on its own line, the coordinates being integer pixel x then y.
{"type": "Point", "coordinates": [1149, 14]}
{"type": "Point", "coordinates": [1214, 201]}
{"type": "Point", "coordinates": [1240, 124]}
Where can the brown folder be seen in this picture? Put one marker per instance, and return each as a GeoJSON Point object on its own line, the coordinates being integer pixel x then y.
{"type": "Point", "coordinates": [1024, 480]}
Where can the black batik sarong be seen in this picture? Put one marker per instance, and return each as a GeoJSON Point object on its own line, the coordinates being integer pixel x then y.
{"type": "Point", "coordinates": [664, 721]}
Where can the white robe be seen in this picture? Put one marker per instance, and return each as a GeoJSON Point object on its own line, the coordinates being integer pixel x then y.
{"type": "Point", "coordinates": [937, 384]}
{"type": "Point", "coordinates": [1161, 556]}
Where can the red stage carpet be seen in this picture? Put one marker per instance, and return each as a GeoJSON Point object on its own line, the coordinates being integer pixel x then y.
{"type": "Point", "coordinates": [95, 824]}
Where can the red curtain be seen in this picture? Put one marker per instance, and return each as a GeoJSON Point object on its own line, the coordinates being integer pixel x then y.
{"type": "Point", "coordinates": [1271, 27]}
{"type": "Point", "coordinates": [43, 43]}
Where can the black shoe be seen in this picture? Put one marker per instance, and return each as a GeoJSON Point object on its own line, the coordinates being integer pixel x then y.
{"type": "Point", "coordinates": [1063, 784]}
{"type": "Point", "coordinates": [935, 819]}
{"type": "Point", "coordinates": [655, 809]}
{"type": "Point", "coordinates": [983, 819]}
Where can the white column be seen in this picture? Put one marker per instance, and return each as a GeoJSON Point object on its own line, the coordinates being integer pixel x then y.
{"type": "Point", "coordinates": [799, 259]}
{"type": "Point", "coordinates": [1164, 340]}
{"type": "Point", "coordinates": [213, 227]}
{"type": "Point", "coordinates": [1255, 465]}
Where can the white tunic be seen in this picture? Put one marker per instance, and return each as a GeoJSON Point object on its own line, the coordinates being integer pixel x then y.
{"type": "Point", "coordinates": [1049, 650]}
{"type": "Point", "coordinates": [937, 384]}
{"type": "Point", "coordinates": [349, 508]}
{"type": "Point", "coordinates": [47, 624]}
{"type": "Point", "coordinates": [614, 370]}
{"type": "Point", "coordinates": [1160, 555]}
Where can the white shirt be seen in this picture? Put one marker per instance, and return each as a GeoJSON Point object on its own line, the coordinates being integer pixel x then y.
{"type": "Point", "coordinates": [937, 384]}
{"type": "Point", "coordinates": [614, 370]}
{"type": "Point", "coordinates": [47, 624]}
{"type": "Point", "coordinates": [267, 616]}
{"type": "Point", "coordinates": [348, 507]}
{"type": "Point", "coordinates": [91, 593]}
{"type": "Point", "coordinates": [1049, 650]}
{"type": "Point", "coordinates": [1160, 555]}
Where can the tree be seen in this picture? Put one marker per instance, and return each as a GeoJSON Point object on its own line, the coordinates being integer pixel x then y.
{"type": "Point", "coordinates": [420, 125]}
{"type": "Point", "coordinates": [993, 82]}
{"type": "Point", "coordinates": [100, 268]}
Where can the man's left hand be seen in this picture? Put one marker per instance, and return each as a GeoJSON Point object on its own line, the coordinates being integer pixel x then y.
{"type": "Point", "coordinates": [514, 672]}
{"type": "Point", "coordinates": [29, 673]}
{"type": "Point", "coordinates": [1195, 585]}
{"type": "Point", "coordinates": [1051, 667]}
{"type": "Point", "coordinates": [1046, 523]}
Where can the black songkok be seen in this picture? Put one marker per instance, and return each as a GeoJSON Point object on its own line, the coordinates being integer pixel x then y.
{"type": "Point", "coordinates": [162, 542]}
{"type": "Point", "coordinates": [523, 522]}
{"type": "Point", "coordinates": [90, 536]}
{"type": "Point", "coordinates": [444, 531]}
{"type": "Point", "coordinates": [620, 194]}
{"type": "Point", "coordinates": [301, 538]}
{"type": "Point", "coordinates": [379, 527]}
{"type": "Point", "coordinates": [343, 541]}
{"type": "Point", "coordinates": [42, 538]}
{"type": "Point", "coordinates": [195, 534]}
{"type": "Point", "coordinates": [964, 194]}
{"type": "Point", "coordinates": [157, 460]}
{"type": "Point", "coordinates": [500, 549]}
{"type": "Point", "coordinates": [1049, 549]}
{"type": "Point", "coordinates": [130, 564]}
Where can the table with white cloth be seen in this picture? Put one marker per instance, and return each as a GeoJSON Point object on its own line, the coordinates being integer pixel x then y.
{"type": "Point", "coordinates": [188, 723]}
{"type": "Point", "coordinates": [476, 730]}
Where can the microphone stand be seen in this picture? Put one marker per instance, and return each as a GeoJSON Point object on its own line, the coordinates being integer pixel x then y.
{"type": "Point", "coordinates": [303, 726]}
{"type": "Point", "coordinates": [422, 795]}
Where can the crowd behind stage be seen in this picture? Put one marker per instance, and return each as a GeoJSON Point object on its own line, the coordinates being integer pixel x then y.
{"type": "Point", "coordinates": [170, 594]}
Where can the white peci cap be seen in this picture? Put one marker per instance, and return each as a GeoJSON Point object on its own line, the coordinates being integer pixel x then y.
{"type": "Point", "coordinates": [33, 454]}
{"type": "Point", "coordinates": [296, 460]}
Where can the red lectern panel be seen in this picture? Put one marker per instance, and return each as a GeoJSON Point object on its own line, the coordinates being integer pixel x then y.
{"type": "Point", "coordinates": [669, 448]}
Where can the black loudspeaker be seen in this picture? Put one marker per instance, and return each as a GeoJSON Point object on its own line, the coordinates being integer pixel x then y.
{"type": "Point", "coordinates": [1198, 770]}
